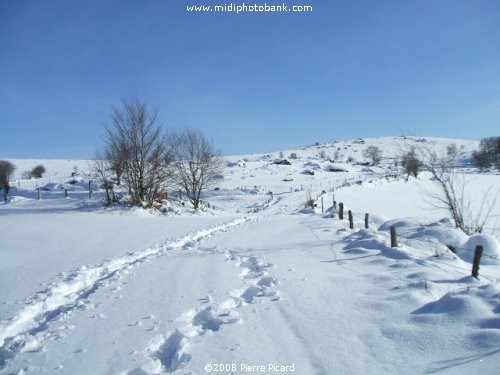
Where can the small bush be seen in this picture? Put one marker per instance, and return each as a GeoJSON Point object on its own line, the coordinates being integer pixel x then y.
{"type": "Point", "coordinates": [293, 155]}
{"type": "Point", "coordinates": [309, 201]}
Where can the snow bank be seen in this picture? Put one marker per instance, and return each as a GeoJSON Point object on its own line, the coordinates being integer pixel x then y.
{"type": "Point", "coordinates": [442, 232]}
{"type": "Point", "coordinates": [491, 249]}
{"type": "Point", "coordinates": [475, 306]}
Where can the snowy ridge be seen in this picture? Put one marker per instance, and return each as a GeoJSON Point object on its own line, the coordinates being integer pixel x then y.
{"type": "Point", "coordinates": [70, 292]}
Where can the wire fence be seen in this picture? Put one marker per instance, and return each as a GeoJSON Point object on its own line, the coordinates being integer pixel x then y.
{"type": "Point", "coordinates": [409, 235]}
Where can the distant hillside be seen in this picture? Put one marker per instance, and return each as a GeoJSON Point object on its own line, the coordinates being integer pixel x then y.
{"type": "Point", "coordinates": [339, 151]}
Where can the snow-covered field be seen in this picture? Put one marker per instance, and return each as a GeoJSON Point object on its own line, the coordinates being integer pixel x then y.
{"type": "Point", "coordinates": [256, 281]}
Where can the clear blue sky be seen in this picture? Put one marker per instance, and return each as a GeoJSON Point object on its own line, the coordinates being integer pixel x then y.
{"type": "Point", "coordinates": [252, 82]}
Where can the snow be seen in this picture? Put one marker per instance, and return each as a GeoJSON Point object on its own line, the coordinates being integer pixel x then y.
{"type": "Point", "coordinates": [491, 248]}
{"type": "Point", "coordinates": [258, 281]}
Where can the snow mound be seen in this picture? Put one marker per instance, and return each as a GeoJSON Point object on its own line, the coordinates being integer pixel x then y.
{"type": "Point", "coordinates": [312, 165]}
{"type": "Point", "coordinates": [473, 305]}
{"type": "Point", "coordinates": [17, 198]}
{"type": "Point", "coordinates": [254, 190]}
{"type": "Point", "coordinates": [238, 163]}
{"type": "Point", "coordinates": [403, 225]}
{"type": "Point", "coordinates": [491, 249]}
{"type": "Point", "coordinates": [52, 186]}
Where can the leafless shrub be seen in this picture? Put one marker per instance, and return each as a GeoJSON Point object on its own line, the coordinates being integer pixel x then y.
{"type": "Point", "coordinates": [27, 175]}
{"type": "Point", "coordinates": [451, 150]}
{"type": "Point", "coordinates": [336, 155]}
{"type": "Point", "coordinates": [309, 201]}
{"type": "Point", "coordinates": [452, 195]}
{"type": "Point", "coordinates": [373, 153]}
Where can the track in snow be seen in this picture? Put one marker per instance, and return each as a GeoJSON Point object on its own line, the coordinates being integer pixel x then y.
{"type": "Point", "coordinates": [70, 292]}
{"type": "Point", "coordinates": [169, 353]}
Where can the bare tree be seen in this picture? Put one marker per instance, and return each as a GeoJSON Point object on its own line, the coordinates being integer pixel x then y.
{"type": "Point", "coordinates": [411, 163]}
{"type": "Point", "coordinates": [488, 154]}
{"type": "Point", "coordinates": [481, 160]}
{"type": "Point", "coordinates": [374, 154]}
{"type": "Point", "coordinates": [197, 164]}
{"type": "Point", "coordinates": [101, 168]}
{"type": "Point", "coordinates": [452, 195]}
{"type": "Point", "coordinates": [138, 151]}
{"type": "Point", "coordinates": [116, 152]}
{"type": "Point", "coordinates": [38, 171]}
{"type": "Point", "coordinates": [6, 171]}
{"type": "Point", "coordinates": [451, 150]}
{"type": "Point", "coordinates": [336, 155]}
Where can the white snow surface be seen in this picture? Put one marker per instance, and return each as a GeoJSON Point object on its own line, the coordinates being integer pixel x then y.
{"type": "Point", "coordinates": [253, 280]}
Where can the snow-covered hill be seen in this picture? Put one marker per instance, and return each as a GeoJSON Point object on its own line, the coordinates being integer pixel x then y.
{"type": "Point", "coordinates": [256, 281]}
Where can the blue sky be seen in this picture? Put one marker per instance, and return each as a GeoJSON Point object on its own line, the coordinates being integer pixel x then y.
{"type": "Point", "coordinates": [252, 82]}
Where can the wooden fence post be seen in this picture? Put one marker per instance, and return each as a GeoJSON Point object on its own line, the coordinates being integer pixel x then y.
{"type": "Point", "coordinates": [366, 221]}
{"type": "Point", "coordinates": [90, 190]}
{"type": "Point", "coordinates": [65, 193]}
{"type": "Point", "coordinates": [341, 211]}
{"type": "Point", "coordinates": [394, 237]}
{"type": "Point", "coordinates": [477, 258]}
{"type": "Point", "coordinates": [351, 223]}
{"type": "Point", "coordinates": [38, 193]}
{"type": "Point", "coordinates": [322, 206]}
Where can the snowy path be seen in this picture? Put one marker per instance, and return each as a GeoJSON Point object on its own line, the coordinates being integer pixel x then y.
{"type": "Point", "coordinates": [64, 295]}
